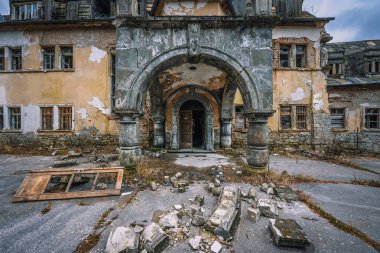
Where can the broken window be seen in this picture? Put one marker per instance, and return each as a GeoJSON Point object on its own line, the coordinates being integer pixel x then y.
{"type": "Point", "coordinates": [1, 118]}
{"type": "Point", "coordinates": [49, 57]}
{"type": "Point", "coordinates": [239, 118]}
{"type": "Point", "coordinates": [66, 57]}
{"type": "Point", "coordinates": [14, 118]}
{"type": "Point", "coordinates": [337, 117]}
{"type": "Point", "coordinates": [16, 59]}
{"type": "Point", "coordinates": [25, 11]}
{"type": "Point", "coordinates": [301, 114]}
{"type": "Point", "coordinates": [286, 117]}
{"type": "Point", "coordinates": [70, 183]}
{"type": "Point", "coordinates": [2, 59]}
{"type": "Point", "coordinates": [372, 118]}
{"type": "Point", "coordinates": [46, 118]}
{"type": "Point", "coordinates": [113, 82]}
{"type": "Point", "coordinates": [65, 118]}
{"type": "Point", "coordinates": [285, 56]}
{"type": "Point", "coordinates": [301, 56]}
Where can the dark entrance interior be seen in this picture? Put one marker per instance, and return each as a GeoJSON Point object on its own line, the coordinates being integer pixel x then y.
{"type": "Point", "coordinates": [192, 125]}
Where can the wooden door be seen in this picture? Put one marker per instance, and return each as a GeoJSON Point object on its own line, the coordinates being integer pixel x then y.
{"type": "Point", "coordinates": [186, 129]}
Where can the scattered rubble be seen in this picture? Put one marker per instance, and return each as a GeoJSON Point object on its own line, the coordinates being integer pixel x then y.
{"type": "Point", "coordinates": [195, 242]}
{"type": "Point", "coordinates": [169, 220]}
{"type": "Point", "coordinates": [268, 208]}
{"type": "Point", "coordinates": [288, 233]}
{"type": "Point", "coordinates": [216, 247]}
{"type": "Point", "coordinates": [264, 187]}
{"type": "Point", "coordinates": [61, 164]}
{"type": "Point", "coordinates": [270, 191]}
{"type": "Point", "coordinates": [153, 186]}
{"type": "Point", "coordinates": [154, 239]}
{"type": "Point", "coordinates": [73, 154]}
{"type": "Point", "coordinates": [285, 194]}
{"type": "Point", "coordinates": [252, 193]}
{"type": "Point", "coordinates": [253, 214]}
{"type": "Point", "coordinates": [122, 239]}
{"type": "Point", "coordinates": [199, 200]}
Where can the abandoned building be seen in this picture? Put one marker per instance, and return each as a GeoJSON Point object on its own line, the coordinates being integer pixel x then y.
{"type": "Point", "coordinates": [183, 75]}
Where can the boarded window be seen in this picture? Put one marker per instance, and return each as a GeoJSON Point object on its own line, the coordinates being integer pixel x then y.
{"type": "Point", "coordinates": [1, 118]}
{"type": "Point", "coordinates": [337, 117]}
{"type": "Point", "coordinates": [16, 59]}
{"type": "Point", "coordinates": [2, 59]}
{"type": "Point", "coordinates": [15, 118]}
{"type": "Point", "coordinates": [372, 118]}
{"type": "Point", "coordinates": [47, 118]}
{"type": "Point", "coordinates": [66, 57]}
{"type": "Point", "coordinates": [301, 56]}
{"type": "Point", "coordinates": [49, 57]}
{"type": "Point", "coordinates": [239, 118]}
{"type": "Point", "coordinates": [286, 117]}
{"type": "Point", "coordinates": [285, 56]}
{"type": "Point", "coordinates": [65, 118]}
{"type": "Point", "coordinates": [70, 183]}
{"type": "Point", "coordinates": [301, 117]}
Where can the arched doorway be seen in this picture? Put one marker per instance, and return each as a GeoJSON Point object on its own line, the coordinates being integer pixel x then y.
{"type": "Point", "coordinates": [192, 125]}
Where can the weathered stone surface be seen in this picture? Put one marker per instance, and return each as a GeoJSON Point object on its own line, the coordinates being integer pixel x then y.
{"type": "Point", "coordinates": [216, 247]}
{"type": "Point", "coordinates": [194, 242]}
{"type": "Point", "coordinates": [270, 191]}
{"type": "Point", "coordinates": [198, 220]}
{"type": "Point", "coordinates": [154, 239]}
{"type": "Point", "coordinates": [216, 191]}
{"type": "Point", "coordinates": [268, 208]}
{"type": "Point", "coordinates": [199, 200]}
{"type": "Point", "coordinates": [225, 217]}
{"type": "Point", "coordinates": [253, 214]}
{"type": "Point", "coordinates": [285, 194]}
{"type": "Point", "coordinates": [288, 233]}
{"type": "Point", "coordinates": [252, 193]}
{"type": "Point", "coordinates": [153, 186]}
{"type": "Point", "coordinates": [122, 239]}
{"type": "Point", "coordinates": [169, 220]}
{"type": "Point", "coordinates": [264, 187]}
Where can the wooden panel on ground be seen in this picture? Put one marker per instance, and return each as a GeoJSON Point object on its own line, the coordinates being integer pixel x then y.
{"type": "Point", "coordinates": [70, 183]}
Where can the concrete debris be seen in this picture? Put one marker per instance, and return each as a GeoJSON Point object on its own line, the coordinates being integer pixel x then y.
{"type": "Point", "coordinates": [178, 175]}
{"type": "Point", "coordinates": [61, 164]}
{"type": "Point", "coordinates": [153, 186]}
{"type": "Point", "coordinates": [239, 173]}
{"type": "Point", "coordinates": [122, 239]}
{"type": "Point", "coordinates": [74, 154]}
{"type": "Point", "coordinates": [138, 229]}
{"type": "Point", "coordinates": [253, 214]}
{"type": "Point", "coordinates": [181, 187]}
{"type": "Point", "coordinates": [167, 181]}
{"type": "Point", "coordinates": [154, 239]}
{"type": "Point", "coordinates": [224, 219]}
{"type": "Point", "coordinates": [210, 186]}
{"type": "Point", "coordinates": [217, 183]}
{"type": "Point", "coordinates": [178, 207]}
{"type": "Point", "coordinates": [194, 242]}
{"type": "Point", "coordinates": [169, 220]}
{"type": "Point", "coordinates": [271, 185]}
{"type": "Point", "coordinates": [252, 193]}
{"type": "Point", "coordinates": [264, 187]}
{"type": "Point", "coordinates": [285, 194]}
{"type": "Point", "coordinates": [194, 209]}
{"type": "Point", "coordinates": [216, 191]}
{"type": "Point", "coordinates": [244, 194]}
{"type": "Point", "coordinates": [198, 220]}
{"type": "Point", "coordinates": [287, 233]}
{"type": "Point", "coordinates": [268, 208]}
{"type": "Point", "coordinates": [216, 247]}
{"type": "Point", "coordinates": [199, 200]}
{"type": "Point", "coordinates": [270, 191]}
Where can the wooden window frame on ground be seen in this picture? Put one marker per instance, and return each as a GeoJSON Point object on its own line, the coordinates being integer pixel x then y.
{"type": "Point", "coordinates": [292, 114]}
{"type": "Point", "coordinates": [371, 112]}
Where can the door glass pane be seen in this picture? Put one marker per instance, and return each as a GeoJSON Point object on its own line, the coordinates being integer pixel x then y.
{"type": "Point", "coordinates": [82, 182]}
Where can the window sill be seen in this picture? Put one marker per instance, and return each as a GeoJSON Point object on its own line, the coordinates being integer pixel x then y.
{"type": "Point", "coordinates": [54, 131]}
{"type": "Point", "coordinates": [10, 131]}
{"type": "Point", "coordinates": [371, 130]}
{"type": "Point", "coordinates": [296, 69]}
{"type": "Point", "coordinates": [294, 130]}
{"type": "Point", "coordinates": [35, 71]}
{"type": "Point", "coordinates": [339, 130]}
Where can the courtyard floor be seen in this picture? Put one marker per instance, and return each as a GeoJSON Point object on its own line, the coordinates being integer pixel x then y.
{"type": "Point", "coordinates": [83, 225]}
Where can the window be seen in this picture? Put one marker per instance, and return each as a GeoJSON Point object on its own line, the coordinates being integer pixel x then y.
{"type": "Point", "coordinates": [65, 118]}
{"type": "Point", "coordinates": [66, 57]}
{"type": "Point", "coordinates": [1, 118]}
{"type": "Point", "coordinates": [372, 118]}
{"type": "Point", "coordinates": [2, 59]}
{"type": "Point", "coordinates": [15, 118]}
{"type": "Point", "coordinates": [240, 122]}
{"type": "Point", "coordinates": [285, 56]}
{"type": "Point", "coordinates": [300, 56]}
{"type": "Point", "coordinates": [337, 117]}
{"type": "Point", "coordinates": [286, 117]}
{"type": "Point", "coordinates": [293, 117]}
{"type": "Point", "coordinates": [336, 69]}
{"type": "Point", "coordinates": [25, 11]}
{"type": "Point", "coordinates": [46, 118]}
{"type": "Point", "coordinates": [16, 59]}
{"type": "Point", "coordinates": [373, 67]}
{"type": "Point", "coordinates": [49, 57]}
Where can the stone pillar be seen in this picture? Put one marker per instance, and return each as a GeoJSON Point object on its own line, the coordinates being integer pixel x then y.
{"type": "Point", "coordinates": [175, 141]}
{"type": "Point", "coordinates": [129, 141]}
{"type": "Point", "coordinates": [158, 133]}
{"type": "Point", "coordinates": [225, 133]}
{"type": "Point", "coordinates": [257, 140]}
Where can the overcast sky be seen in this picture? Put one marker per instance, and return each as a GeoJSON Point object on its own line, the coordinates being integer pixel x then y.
{"type": "Point", "coordinates": [355, 19]}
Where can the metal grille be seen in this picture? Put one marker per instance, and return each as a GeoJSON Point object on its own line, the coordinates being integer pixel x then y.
{"type": "Point", "coordinates": [15, 118]}
{"type": "Point", "coordinates": [65, 118]}
{"type": "Point", "coordinates": [372, 120]}
{"type": "Point", "coordinates": [47, 118]}
{"type": "Point", "coordinates": [301, 116]}
{"type": "Point", "coordinates": [49, 58]}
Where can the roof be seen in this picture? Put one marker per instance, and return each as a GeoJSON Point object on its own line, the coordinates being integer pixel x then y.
{"type": "Point", "coordinates": [354, 81]}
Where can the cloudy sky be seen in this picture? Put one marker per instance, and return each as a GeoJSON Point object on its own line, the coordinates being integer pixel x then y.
{"type": "Point", "coordinates": [355, 19]}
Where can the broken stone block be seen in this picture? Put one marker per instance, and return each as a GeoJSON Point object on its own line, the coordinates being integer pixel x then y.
{"type": "Point", "coordinates": [169, 220]}
{"type": "Point", "coordinates": [268, 208]}
{"type": "Point", "coordinates": [194, 242]}
{"type": "Point", "coordinates": [153, 186]}
{"type": "Point", "coordinates": [210, 186]}
{"type": "Point", "coordinates": [270, 191]}
{"type": "Point", "coordinates": [178, 175]}
{"type": "Point", "coordinates": [253, 214]}
{"type": "Point", "coordinates": [73, 154]}
{"type": "Point", "coordinates": [154, 239]}
{"type": "Point", "coordinates": [167, 181]}
{"type": "Point", "coordinates": [271, 185]}
{"type": "Point", "coordinates": [61, 164]}
{"type": "Point", "coordinates": [288, 233]}
{"type": "Point", "coordinates": [264, 187]}
{"type": "Point", "coordinates": [216, 247]}
{"type": "Point", "coordinates": [122, 239]}
{"type": "Point", "coordinates": [199, 200]}
{"type": "Point", "coordinates": [181, 187]}
{"type": "Point", "coordinates": [138, 229]}
{"type": "Point", "coordinates": [194, 209]}
{"type": "Point", "coordinates": [178, 207]}
{"type": "Point", "coordinates": [243, 194]}
{"type": "Point", "coordinates": [217, 183]}
{"type": "Point", "coordinates": [285, 194]}
{"type": "Point", "coordinates": [252, 193]}
{"type": "Point", "coordinates": [223, 221]}
{"type": "Point", "coordinates": [216, 191]}
{"type": "Point", "coordinates": [198, 220]}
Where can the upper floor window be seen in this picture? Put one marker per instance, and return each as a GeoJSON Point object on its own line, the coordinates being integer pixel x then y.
{"type": "Point", "coordinates": [14, 118]}
{"type": "Point", "coordinates": [337, 117]}
{"type": "Point", "coordinates": [16, 58]}
{"type": "Point", "coordinates": [301, 56]}
{"type": "Point", "coordinates": [66, 57]}
{"type": "Point", "coordinates": [2, 59]}
{"type": "Point", "coordinates": [372, 118]}
{"type": "Point", "coordinates": [336, 69]}
{"type": "Point", "coordinates": [25, 11]}
{"type": "Point", "coordinates": [373, 67]}
{"type": "Point", "coordinates": [49, 57]}
{"type": "Point", "coordinates": [293, 117]}
{"type": "Point", "coordinates": [285, 56]}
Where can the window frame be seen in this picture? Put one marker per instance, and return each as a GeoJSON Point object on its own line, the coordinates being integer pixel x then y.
{"type": "Point", "coordinates": [10, 115]}
{"type": "Point", "coordinates": [337, 117]}
{"type": "Point", "coordinates": [365, 124]}
{"type": "Point", "coordinates": [42, 128]}
{"type": "Point", "coordinates": [62, 55]}
{"type": "Point", "coordinates": [294, 118]}
{"type": "Point", "coordinates": [2, 59]}
{"type": "Point", "coordinates": [25, 11]}
{"type": "Point", "coordinates": [17, 66]}
{"type": "Point", "coordinates": [2, 121]}
{"type": "Point", "coordinates": [289, 55]}
{"type": "Point", "coordinates": [303, 56]}
{"type": "Point", "coordinates": [51, 56]}
{"type": "Point", "coordinates": [60, 120]}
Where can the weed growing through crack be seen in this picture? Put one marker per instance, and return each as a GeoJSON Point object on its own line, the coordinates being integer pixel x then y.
{"type": "Point", "coordinates": [47, 208]}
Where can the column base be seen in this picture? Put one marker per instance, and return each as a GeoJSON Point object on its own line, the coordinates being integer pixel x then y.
{"type": "Point", "coordinates": [129, 157]}
{"type": "Point", "coordinates": [257, 157]}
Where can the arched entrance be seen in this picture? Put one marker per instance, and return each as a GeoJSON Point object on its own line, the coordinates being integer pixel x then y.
{"type": "Point", "coordinates": [192, 125]}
